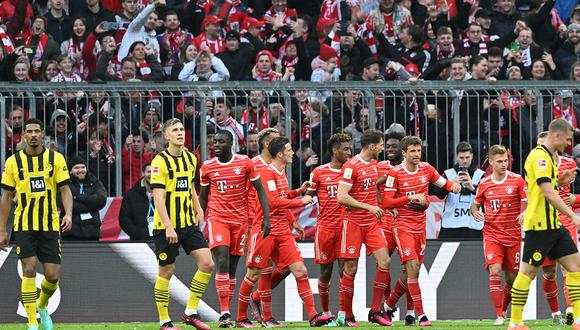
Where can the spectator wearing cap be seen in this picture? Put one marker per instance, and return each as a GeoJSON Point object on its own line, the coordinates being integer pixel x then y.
{"type": "Point", "coordinates": [59, 24]}
{"type": "Point", "coordinates": [142, 28]}
{"type": "Point", "coordinates": [251, 33]}
{"type": "Point", "coordinates": [205, 67]}
{"type": "Point", "coordinates": [223, 120]}
{"type": "Point", "coordinates": [409, 50]}
{"type": "Point", "coordinates": [372, 70]}
{"type": "Point", "coordinates": [238, 57]}
{"type": "Point", "coordinates": [172, 41]}
{"type": "Point", "coordinates": [263, 71]}
{"type": "Point", "coordinates": [42, 44]}
{"type": "Point", "coordinates": [93, 13]}
{"type": "Point", "coordinates": [89, 197]}
{"type": "Point", "coordinates": [483, 18]}
{"type": "Point", "coordinates": [569, 52]}
{"type": "Point", "coordinates": [325, 67]}
{"type": "Point", "coordinates": [153, 125]}
{"type": "Point", "coordinates": [137, 208]}
{"type": "Point", "coordinates": [210, 36]}
{"type": "Point", "coordinates": [505, 14]}
{"type": "Point", "coordinates": [563, 107]}
{"type": "Point", "coordinates": [99, 161]}
{"type": "Point", "coordinates": [134, 156]}
{"type": "Point", "coordinates": [63, 131]}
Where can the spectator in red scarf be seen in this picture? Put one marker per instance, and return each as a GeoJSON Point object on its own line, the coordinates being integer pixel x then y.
{"type": "Point", "coordinates": [74, 46]}
{"type": "Point", "coordinates": [134, 157]}
{"type": "Point", "coordinates": [255, 116]}
{"type": "Point", "coordinates": [279, 9]}
{"type": "Point", "coordinates": [234, 12]}
{"type": "Point", "coordinates": [172, 41]}
{"type": "Point", "coordinates": [65, 67]}
{"type": "Point", "coordinates": [562, 107]}
{"type": "Point", "coordinates": [210, 36]}
{"type": "Point", "coordinates": [223, 120]}
{"type": "Point", "coordinates": [263, 71]}
{"type": "Point", "coordinates": [42, 45]}
{"type": "Point", "coordinates": [130, 69]}
{"type": "Point", "coordinates": [445, 47]}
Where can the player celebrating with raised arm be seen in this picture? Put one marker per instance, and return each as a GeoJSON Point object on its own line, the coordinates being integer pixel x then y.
{"type": "Point", "coordinates": [357, 192]}
{"type": "Point", "coordinates": [324, 184]}
{"type": "Point", "coordinates": [501, 194]}
{"type": "Point", "coordinates": [177, 217]}
{"type": "Point", "coordinates": [36, 174]}
{"type": "Point", "coordinates": [278, 245]}
{"type": "Point", "coordinates": [406, 189]}
{"type": "Point", "coordinates": [224, 179]}
{"type": "Point", "coordinates": [545, 236]}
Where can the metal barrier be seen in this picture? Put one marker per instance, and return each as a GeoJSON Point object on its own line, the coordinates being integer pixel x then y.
{"type": "Point", "coordinates": [441, 113]}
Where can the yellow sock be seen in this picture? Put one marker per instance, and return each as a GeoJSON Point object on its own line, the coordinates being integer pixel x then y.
{"type": "Point", "coordinates": [573, 285]}
{"type": "Point", "coordinates": [46, 291]}
{"type": "Point", "coordinates": [162, 298]}
{"type": "Point", "coordinates": [520, 290]}
{"type": "Point", "coordinates": [198, 285]}
{"type": "Point", "coordinates": [28, 291]}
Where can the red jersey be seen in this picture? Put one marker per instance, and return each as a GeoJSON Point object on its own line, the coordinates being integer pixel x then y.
{"type": "Point", "coordinates": [384, 167]}
{"type": "Point", "coordinates": [281, 201]}
{"type": "Point", "coordinates": [565, 164]}
{"type": "Point", "coordinates": [502, 202]}
{"type": "Point", "coordinates": [228, 198]}
{"type": "Point", "coordinates": [259, 166]}
{"type": "Point", "coordinates": [362, 177]}
{"type": "Point", "coordinates": [324, 180]}
{"type": "Point", "coordinates": [401, 182]}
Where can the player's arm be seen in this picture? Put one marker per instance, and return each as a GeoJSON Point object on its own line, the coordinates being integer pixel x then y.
{"type": "Point", "coordinates": [5, 205]}
{"type": "Point", "coordinates": [161, 209]}
{"type": "Point", "coordinates": [203, 196]}
{"type": "Point", "coordinates": [344, 198]}
{"type": "Point", "coordinates": [474, 208]}
{"type": "Point", "coordinates": [263, 198]}
{"type": "Point", "coordinates": [67, 202]}
{"type": "Point", "coordinates": [576, 202]}
{"type": "Point", "coordinates": [441, 182]}
{"type": "Point", "coordinates": [274, 198]}
{"type": "Point", "coordinates": [199, 215]}
{"type": "Point", "coordinates": [553, 198]}
{"type": "Point", "coordinates": [313, 184]}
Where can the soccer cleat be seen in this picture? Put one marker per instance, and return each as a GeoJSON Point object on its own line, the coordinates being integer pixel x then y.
{"type": "Point", "coordinates": [390, 312]}
{"type": "Point", "coordinates": [256, 310]}
{"type": "Point", "coordinates": [558, 320]}
{"type": "Point", "coordinates": [380, 318]}
{"type": "Point", "coordinates": [576, 327]}
{"type": "Point", "coordinates": [518, 327]}
{"type": "Point", "coordinates": [272, 323]}
{"type": "Point", "coordinates": [569, 316]}
{"type": "Point", "coordinates": [410, 320]}
{"type": "Point", "coordinates": [245, 323]}
{"type": "Point", "coordinates": [225, 321]}
{"type": "Point", "coordinates": [424, 321]}
{"type": "Point", "coordinates": [332, 323]}
{"type": "Point", "coordinates": [168, 326]}
{"type": "Point", "coordinates": [32, 327]}
{"type": "Point", "coordinates": [499, 321]}
{"type": "Point", "coordinates": [45, 319]}
{"type": "Point", "coordinates": [320, 319]}
{"type": "Point", "coordinates": [351, 322]}
{"type": "Point", "coordinates": [340, 319]}
{"type": "Point", "coordinates": [195, 321]}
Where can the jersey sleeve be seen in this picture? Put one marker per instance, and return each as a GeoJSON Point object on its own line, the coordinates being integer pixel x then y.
{"type": "Point", "coordinates": [158, 173]}
{"type": "Point", "coordinates": [203, 177]}
{"type": "Point", "coordinates": [269, 181]}
{"type": "Point", "coordinates": [253, 175]}
{"type": "Point", "coordinates": [349, 173]}
{"type": "Point", "coordinates": [392, 181]}
{"type": "Point", "coordinates": [61, 174]}
{"type": "Point", "coordinates": [437, 179]}
{"type": "Point", "coordinates": [523, 189]}
{"type": "Point", "coordinates": [541, 166]}
{"type": "Point", "coordinates": [313, 180]}
{"type": "Point", "coordinates": [479, 197]}
{"type": "Point", "coordinates": [8, 182]}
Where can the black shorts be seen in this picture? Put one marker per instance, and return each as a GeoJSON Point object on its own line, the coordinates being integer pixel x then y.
{"type": "Point", "coordinates": [45, 245]}
{"type": "Point", "coordinates": [189, 239]}
{"type": "Point", "coordinates": [553, 244]}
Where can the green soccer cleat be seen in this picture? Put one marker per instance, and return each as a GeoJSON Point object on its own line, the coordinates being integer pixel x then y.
{"type": "Point", "coordinates": [331, 324]}
{"type": "Point", "coordinates": [45, 319]}
{"type": "Point", "coordinates": [340, 319]}
{"type": "Point", "coordinates": [32, 327]}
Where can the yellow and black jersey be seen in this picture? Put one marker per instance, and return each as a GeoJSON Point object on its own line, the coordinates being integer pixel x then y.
{"type": "Point", "coordinates": [175, 175]}
{"type": "Point", "coordinates": [540, 168]}
{"type": "Point", "coordinates": [36, 181]}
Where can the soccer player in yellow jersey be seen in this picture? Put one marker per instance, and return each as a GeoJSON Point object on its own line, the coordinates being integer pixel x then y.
{"type": "Point", "coordinates": [36, 175]}
{"type": "Point", "coordinates": [545, 235]}
{"type": "Point", "coordinates": [176, 222]}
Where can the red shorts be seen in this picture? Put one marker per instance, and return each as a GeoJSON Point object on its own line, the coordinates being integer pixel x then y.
{"type": "Point", "coordinates": [283, 250]}
{"type": "Point", "coordinates": [508, 257]}
{"type": "Point", "coordinates": [325, 245]}
{"type": "Point", "coordinates": [410, 245]}
{"type": "Point", "coordinates": [574, 233]}
{"type": "Point", "coordinates": [391, 241]}
{"type": "Point", "coordinates": [354, 235]}
{"type": "Point", "coordinates": [228, 234]}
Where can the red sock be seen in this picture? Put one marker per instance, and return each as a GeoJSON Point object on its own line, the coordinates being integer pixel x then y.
{"type": "Point", "coordinates": [507, 297]}
{"type": "Point", "coordinates": [347, 292]}
{"type": "Point", "coordinates": [244, 298]}
{"type": "Point", "coordinates": [551, 292]}
{"type": "Point", "coordinates": [278, 276]}
{"type": "Point", "coordinates": [415, 292]}
{"type": "Point", "coordinates": [233, 283]}
{"type": "Point", "coordinates": [265, 291]}
{"type": "Point", "coordinates": [382, 278]}
{"type": "Point", "coordinates": [400, 289]}
{"type": "Point", "coordinates": [222, 285]}
{"type": "Point", "coordinates": [324, 293]}
{"type": "Point", "coordinates": [410, 305]}
{"type": "Point", "coordinates": [568, 302]}
{"type": "Point", "coordinates": [305, 293]}
{"type": "Point", "coordinates": [496, 293]}
{"type": "Point", "coordinates": [268, 270]}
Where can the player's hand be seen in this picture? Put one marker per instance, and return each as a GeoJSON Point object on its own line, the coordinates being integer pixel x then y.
{"type": "Point", "coordinates": [569, 199]}
{"type": "Point", "coordinates": [304, 187]}
{"type": "Point", "coordinates": [3, 240]}
{"type": "Point", "coordinates": [171, 235]}
{"type": "Point", "coordinates": [376, 211]}
{"type": "Point", "coordinates": [296, 226]}
{"type": "Point", "coordinates": [199, 218]}
{"type": "Point", "coordinates": [66, 223]}
{"type": "Point", "coordinates": [418, 199]}
{"type": "Point", "coordinates": [393, 212]}
{"type": "Point", "coordinates": [456, 187]}
{"type": "Point", "coordinates": [576, 221]}
{"type": "Point", "coordinates": [307, 200]}
{"type": "Point", "coordinates": [521, 218]}
{"type": "Point", "coordinates": [265, 229]}
{"type": "Point", "coordinates": [567, 176]}
{"type": "Point", "coordinates": [478, 215]}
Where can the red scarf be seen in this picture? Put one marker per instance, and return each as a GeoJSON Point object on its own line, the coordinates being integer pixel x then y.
{"type": "Point", "coordinates": [252, 123]}
{"type": "Point", "coordinates": [78, 67]}
{"type": "Point", "coordinates": [467, 47]}
{"type": "Point", "coordinates": [174, 42]}
{"type": "Point", "coordinates": [441, 55]}
{"type": "Point", "coordinates": [6, 41]}
{"type": "Point", "coordinates": [215, 46]}
{"type": "Point", "coordinates": [60, 77]}
{"type": "Point", "coordinates": [270, 76]}
{"type": "Point", "coordinates": [567, 114]}
{"type": "Point", "coordinates": [239, 134]}
{"type": "Point", "coordinates": [144, 69]}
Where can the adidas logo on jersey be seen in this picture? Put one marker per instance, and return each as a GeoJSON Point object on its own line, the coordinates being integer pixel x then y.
{"type": "Point", "coordinates": [405, 184]}
{"type": "Point", "coordinates": [217, 174]}
{"type": "Point", "coordinates": [327, 178]}
{"type": "Point", "coordinates": [491, 192]}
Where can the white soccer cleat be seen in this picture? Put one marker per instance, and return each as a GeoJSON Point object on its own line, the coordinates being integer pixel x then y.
{"type": "Point", "coordinates": [499, 321]}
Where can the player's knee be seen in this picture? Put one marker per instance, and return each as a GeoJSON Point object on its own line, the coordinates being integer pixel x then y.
{"type": "Point", "coordinates": [167, 271]}
{"type": "Point", "coordinates": [495, 269]}
{"type": "Point", "coordinates": [52, 276]}
{"type": "Point", "coordinates": [29, 270]}
{"type": "Point", "coordinates": [299, 271]}
{"type": "Point", "coordinates": [384, 263]}
{"type": "Point", "coordinates": [412, 268]}
{"type": "Point", "coordinates": [206, 266]}
{"type": "Point", "coordinates": [350, 268]}
{"type": "Point", "coordinates": [253, 273]}
{"type": "Point", "coordinates": [325, 273]}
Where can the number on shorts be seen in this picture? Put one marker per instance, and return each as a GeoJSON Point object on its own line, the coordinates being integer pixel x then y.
{"type": "Point", "coordinates": [422, 253]}
{"type": "Point", "coordinates": [517, 258]}
{"type": "Point", "coordinates": [243, 240]}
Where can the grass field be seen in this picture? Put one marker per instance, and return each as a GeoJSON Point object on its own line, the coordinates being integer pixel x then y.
{"type": "Point", "coordinates": [439, 325]}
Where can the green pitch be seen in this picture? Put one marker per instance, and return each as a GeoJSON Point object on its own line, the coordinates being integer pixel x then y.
{"type": "Point", "coordinates": [437, 325]}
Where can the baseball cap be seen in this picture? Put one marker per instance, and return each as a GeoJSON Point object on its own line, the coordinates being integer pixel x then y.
{"type": "Point", "coordinates": [251, 22]}
{"type": "Point", "coordinates": [232, 35]}
{"type": "Point", "coordinates": [210, 19]}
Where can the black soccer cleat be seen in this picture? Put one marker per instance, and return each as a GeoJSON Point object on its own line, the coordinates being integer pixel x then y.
{"type": "Point", "coordinates": [410, 320]}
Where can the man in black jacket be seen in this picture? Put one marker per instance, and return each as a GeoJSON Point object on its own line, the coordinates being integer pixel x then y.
{"type": "Point", "coordinates": [89, 197]}
{"type": "Point", "coordinates": [238, 57]}
{"type": "Point", "coordinates": [136, 213]}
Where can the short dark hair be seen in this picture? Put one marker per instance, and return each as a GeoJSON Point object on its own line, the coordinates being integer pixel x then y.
{"type": "Point", "coordinates": [224, 101]}
{"type": "Point", "coordinates": [444, 30]}
{"type": "Point", "coordinates": [463, 146]}
{"type": "Point", "coordinates": [475, 60]}
{"type": "Point", "coordinates": [32, 121]}
{"type": "Point", "coordinates": [145, 166]}
{"type": "Point", "coordinates": [278, 144]}
{"type": "Point", "coordinates": [395, 135]}
{"type": "Point", "coordinates": [410, 140]}
{"type": "Point", "coordinates": [227, 134]}
{"type": "Point", "coordinates": [170, 12]}
{"type": "Point", "coordinates": [336, 139]}
{"type": "Point", "coordinates": [371, 136]}
{"type": "Point", "coordinates": [495, 52]}
{"type": "Point", "coordinates": [416, 33]}
{"type": "Point", "coordinates": [142, 133]}
{"type": "Point", "coordinates": [264, 134]}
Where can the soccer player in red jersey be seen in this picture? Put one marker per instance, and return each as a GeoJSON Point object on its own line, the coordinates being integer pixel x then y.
{"type": "Point", "coordinates": [406, 190]}
{"type": "Point", "coordinates": [279, 245]}
{"type": "Point", "coordinates": [501, 194]}
{"type": "Point", "coordinates": [224, 179]}
{"type": "Point", "coordinates": [357, 192]}
{"type": "Point", "coordinates": [324, 184]}
{"type": "Point", "coordinates": [566, 175]}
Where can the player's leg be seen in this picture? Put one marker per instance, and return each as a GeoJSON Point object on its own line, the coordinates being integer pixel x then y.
{"type": "Point", "coordinates": [568, 256]}
{"type": "Point", "coordinates": [250, 279]}
{"type": "Point", "coordinates": [324, 286]}
{"type": "Point", "coordinates": [413, 266]}
{"type": "Point", "coordinates": [382, 280]}
{"type": "Point", "coordinates": [569, 310]}
{"type": "Point", "coordinates": [520, 290]}
{"type": "Point", "coordinates": [405, 244]}
{"type": "Point", "coordinates": [221, 256]}
{"type": "Point", "coordinates": [324, 255]}
{"type": "Point", "coordinates": [510, 277]}
{"type": "Point", "coordinates": [346, 288]}
{"type": "Point", "coordinates": [350, 242]}
{"type": "Point", "coordinates": [495, 255]}
{"type": "Point", "coordinates": [550, 287]}
{"type": "Point", "coordinates": [49, 255]}
{"type": "Point", "coordinates": [234, 260]}
{"type": "Point", "coordinates": [28, 290]}
{"type": "Point", "coordinates": [166, 254]}
{"type": "Point", "coordinates": [511, 267]}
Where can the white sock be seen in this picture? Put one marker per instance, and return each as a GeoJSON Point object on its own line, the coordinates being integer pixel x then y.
{"type": "Point", "coordinates": [411, 312]}
{"type": "Point", "coordinates": [326, 313]}
{"type": "Point", "coordinates": [162, 322]}
{"type": "Point", "coordinates": [190, 312]}
{"type": "Point", "coordinates": [224, 312]}
{"type": "Point", "coordinates": [569, 310]}
{"type": "Point", "coordinates": [557, 313]}
{"type": "Point", "coordinates": [577, 320]}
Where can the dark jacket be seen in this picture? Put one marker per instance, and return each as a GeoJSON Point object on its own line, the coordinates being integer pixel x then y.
{"type": "Point", "coordinates": [85, 206]}
{"type": "Point", "coordinates": [134, 212]}
{"type": "Point", "coordinates": [502, 24]}
{"type": "Point", "coordinates": [103, 74]}
{"type": "Point", "coordinates": [541, 25]}
{"type": "Point", "coordinates": [59, 29]}
{"type": "Point", "coordinates": [239, 62]}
